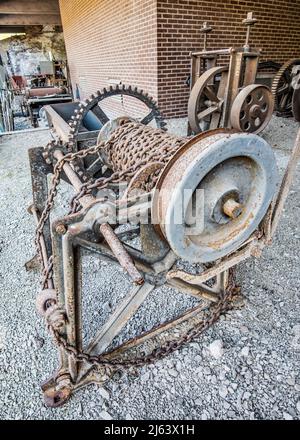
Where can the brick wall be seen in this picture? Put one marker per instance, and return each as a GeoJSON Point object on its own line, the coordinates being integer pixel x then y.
{"type": "Point", "coordinates": [147, 42]}
{"type": "Point", "coordinates": [276, 33]}
{"type": "Point", "coordinates": [108, 41]}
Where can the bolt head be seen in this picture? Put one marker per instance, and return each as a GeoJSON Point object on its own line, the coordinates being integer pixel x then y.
{"type": "Point", "coordinates": [61, 229]}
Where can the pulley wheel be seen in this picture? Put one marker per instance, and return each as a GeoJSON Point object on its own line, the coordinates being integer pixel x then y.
{"type": "Point", "coordinates": [252, 109]}
{"type": "Point", "coordinates": [206, 100]}
{"type": "Point", "coordinates": [214, 193]}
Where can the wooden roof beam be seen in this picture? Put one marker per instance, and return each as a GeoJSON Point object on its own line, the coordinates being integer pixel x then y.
{"type": "Point", "coordinates": [28, 7]}
{"type": "Point", "coordinates": [29, 20]}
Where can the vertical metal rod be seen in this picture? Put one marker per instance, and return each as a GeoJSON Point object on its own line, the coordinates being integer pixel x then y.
{"type": "Point", "coordinates": [286, 184]}
{"type": "Point", "coordinates": [59, 285]}
{"type": "Point", "coordinates": [70, 297]}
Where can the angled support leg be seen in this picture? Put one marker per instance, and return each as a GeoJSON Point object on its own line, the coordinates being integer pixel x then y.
{"type": "Point", "coordinates": [119, 318]}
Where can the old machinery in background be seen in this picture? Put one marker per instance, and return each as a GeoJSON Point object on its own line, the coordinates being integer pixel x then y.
{"type": "Point", "coordinates": [285, 89]}
{"type": "Point", "coordinates": [155, 204]}
{"type": "Point", "coordinates": [227, 96]}
{"type": "Point", "coordinates": [37, 97]}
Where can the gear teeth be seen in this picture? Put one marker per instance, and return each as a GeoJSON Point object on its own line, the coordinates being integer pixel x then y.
{"type": "Point", "coordinates": [106, 92]}
{"type": "Point", "coordinates": [278, 77]}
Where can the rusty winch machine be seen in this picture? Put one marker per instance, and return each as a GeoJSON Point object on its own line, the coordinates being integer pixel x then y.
{"type": "Point", "coordinates": [227, 95]}
{"type": "Point", "coordinates": [171, 211]}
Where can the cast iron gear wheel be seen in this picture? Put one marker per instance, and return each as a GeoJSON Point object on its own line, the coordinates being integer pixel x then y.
{"type": "Point", "coordinates": [92, 104]}
{"type": "Point", "coordinates": [282, 88]}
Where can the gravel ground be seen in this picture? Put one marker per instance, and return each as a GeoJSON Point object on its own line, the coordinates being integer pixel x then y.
{"type": "Point", "coordinates": [245, 367]}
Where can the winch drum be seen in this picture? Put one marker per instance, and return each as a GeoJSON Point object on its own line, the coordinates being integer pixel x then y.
{"type": "Point", "coordinates": [236, 168]}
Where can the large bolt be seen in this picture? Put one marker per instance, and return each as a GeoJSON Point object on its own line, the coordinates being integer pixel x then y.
{"type": "Point", "coordinates": [232, 208]}
{"type": "Point", "coordinates": [61, 229]}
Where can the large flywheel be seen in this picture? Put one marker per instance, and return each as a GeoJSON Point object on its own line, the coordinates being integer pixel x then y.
{"type": "Point", "coordinates": [206, 100]}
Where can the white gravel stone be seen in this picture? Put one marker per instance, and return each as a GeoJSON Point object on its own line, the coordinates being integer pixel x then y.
{"type": "Point", "coordinates": [245, 351]}
{"type": "Point", "coordinates": [287, 416]}
{"type": "Point", "coordinates": [223, 391]}
{"type": "Point", "coordinates": [105, 415]}
{"type": "Point", "coordinates": [104, 393]}
{"type": "Point", "coordinates": [216, 349]}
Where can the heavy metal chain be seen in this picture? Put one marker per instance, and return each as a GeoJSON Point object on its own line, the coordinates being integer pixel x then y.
{"type": "Point", "coordinates": [125, 161]}
{"type": "Point", "coordinates": [159, 353]}
{"type": "Point", "coordinates": [130, 147]}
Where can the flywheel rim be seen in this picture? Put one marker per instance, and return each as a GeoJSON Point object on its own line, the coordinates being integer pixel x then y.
{"type": "Point", "coordinates": [252, 109]}
{"type": "Point", "coordinates": [204, 157]}
{"type": "Point", "coordinates": [197, 93]}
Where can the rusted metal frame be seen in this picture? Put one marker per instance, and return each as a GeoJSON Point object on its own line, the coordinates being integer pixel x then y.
{"type": "Point", "coordinates": [205, 53]}
{"type": "Point", "coordinates": [153, 247]}
{"type": "Point", "coordinates": [144, 264]}
{"type": "Point", "coordinates": [39, 171]}
{"type": "Point", "coordinates": [251, 249]}
{"type": "Point", "coordinates": [58, 272]}
{"type": "Point", "coordinates": [222, 280]}
{"type": "Point", "coordinates": [140, 340]}
{"type": "Point", "coordinates": [195, 70]}
{"type": "Point", "coordinates": [232, 87]}
{"type": "Point", "coordinates": [72, 298]}
{"type": "Point", "coordinates": [62, 128]}
{"type": "Point", "coordinates": [285, 185]}
{"type": "Point", "coordinates": [119, 318]}
{"type": "Point", "coordinates": [106, 254]}
{"type": "Point", "coordinates": [200, 291]}
{"type": "Point", "coordinates": [250, 71]}
{"type": "Point", "coordinates": [155, 270]}
{"type": "Point", "coordinates": [129, 234]}
{"type": "Point", "coordinates": [87, 136]}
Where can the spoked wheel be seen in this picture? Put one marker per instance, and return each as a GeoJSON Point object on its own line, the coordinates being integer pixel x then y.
{"type": "Point", "coordinates": [282, 87]}
{"type": "Point", "coordinates": [206, 100]}
{"type": "Point", "coordinates": [252, 109]}
{"type": "Point", "coordinates": [107, 105]}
